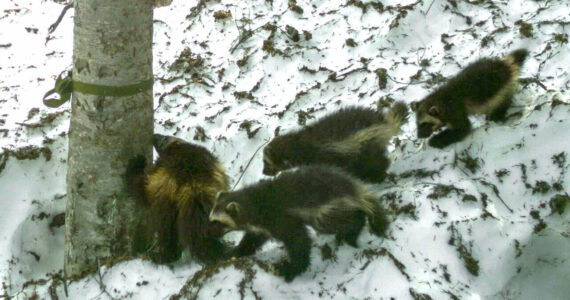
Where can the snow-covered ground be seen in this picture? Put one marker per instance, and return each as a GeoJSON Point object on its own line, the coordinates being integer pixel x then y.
{"type": "Point", "coordinates": [477, 220]}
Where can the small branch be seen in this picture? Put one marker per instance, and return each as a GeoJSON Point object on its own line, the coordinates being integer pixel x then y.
{"type": "Point", "coordinates": [495, 191]}
{"type": "Point", "coordinates": [248, 163]}
{"type": "Point", "coordinates": [53, 26]}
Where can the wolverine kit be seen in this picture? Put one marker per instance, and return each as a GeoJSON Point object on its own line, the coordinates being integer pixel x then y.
{"type": "Point", "coordinates": [322, 175]}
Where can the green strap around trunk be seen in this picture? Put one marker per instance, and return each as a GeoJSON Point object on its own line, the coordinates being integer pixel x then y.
{"type": "Point", "coordinates": [64, 86]}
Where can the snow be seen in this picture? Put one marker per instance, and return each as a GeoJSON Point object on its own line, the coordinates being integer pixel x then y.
{"type": "Point", "coordinates": [486, 198]}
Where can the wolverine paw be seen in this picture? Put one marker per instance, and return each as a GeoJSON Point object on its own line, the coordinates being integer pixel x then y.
{"type": "Point", "coordinates": [287, 270]}
{"type": "Point", "coordinates": [238, 252]}
{"type": "Point", "coordinates": [438, 142]}
{"type": "Point", "coordinates": [450, 136]}
{"type": "Point", "coordinates": [499, 117]}
{"type": "Point", "coordinates": [233, 253]}
{"type": "Point", "coordinates": [350, 239]}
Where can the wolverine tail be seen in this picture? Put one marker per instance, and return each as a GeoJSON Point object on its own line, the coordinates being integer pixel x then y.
{"type": "Point", "coordinates": [135, 179]}
{"type": "Point", "coordinates": [518, 56]}
{"type": "Point", "coordinates": [390, 126]}
{"type": "Point", "coordinates": [380, 133]}
{"type": "Point", "coordinates": [378, 217]}
{"type": "Point", "coordinates": [397, 116]}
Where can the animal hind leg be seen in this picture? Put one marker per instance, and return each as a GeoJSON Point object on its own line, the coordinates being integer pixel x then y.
{"type": "Point", "coordinates": [379, 220]}
{"type": "Point", "coordinates": [500, 113]}
{"type": "Point", "coordinates": [372, 163]}
{"type": "Point", "coordinates": [351, 227]}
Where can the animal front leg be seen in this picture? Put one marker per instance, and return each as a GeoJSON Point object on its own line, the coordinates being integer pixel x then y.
{"type": "Point", "coordinates": [447, 137]}
{"type": "Point", "coordinates": [249, 244]}
{"type": "Point", "coordinates": [298, 246]}
{"type": "Point", "coordinates": [209, 250]}
{"type": "Point", "coordinates": [461, 128]}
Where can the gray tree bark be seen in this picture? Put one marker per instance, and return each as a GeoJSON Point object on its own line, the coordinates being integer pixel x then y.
{"type": "Point", "coordinates": [112, 47]}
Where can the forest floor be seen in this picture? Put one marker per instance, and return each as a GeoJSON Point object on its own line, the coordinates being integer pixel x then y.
{"type": "Point", "coordinates": [485, 218]}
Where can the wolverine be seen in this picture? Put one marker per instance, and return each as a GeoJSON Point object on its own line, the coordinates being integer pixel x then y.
{"type": "Point", "coordinates": [323, 197]}
{"type": "Point", "coordinates": [352, 138]}
{"type": "Point", "coordinates": [176, 195]}
{"type": "Point", "coordinates": [483, 87]}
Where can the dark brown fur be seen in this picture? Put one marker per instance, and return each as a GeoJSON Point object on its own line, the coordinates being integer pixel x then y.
{"type": "Point", "coordinates": [352, 138]}
{"type": "Point", "coordinates": [324, 197]}
{"type": "Point", "coordinates": [485, 87]}
{"type": "Point", "coordinates": [177, 194]}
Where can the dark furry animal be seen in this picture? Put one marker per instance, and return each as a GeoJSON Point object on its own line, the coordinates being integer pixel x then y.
{"type": "Point", "coordinates": [352, 138]}
{"type": "Point", "coordinates": [483, 87]}
{"type": "Point", "coordinates": [177, 194]}
{"type": "Point", "coordinates": [324, 197]}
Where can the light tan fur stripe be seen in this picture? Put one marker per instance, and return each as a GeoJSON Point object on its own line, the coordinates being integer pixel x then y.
{"type": "Point", "coordinates": [380, 133]}
{"type": "Point", "coordinates": [161, 184]}
{"type": "Point", "coordinates": [316, 216]}
{"type": "Point", "coordinates": [221, 178]}
{"type": "Point", "coordinates": [502, 95]}
{"type": "Point", "coordinates": [222, 217]}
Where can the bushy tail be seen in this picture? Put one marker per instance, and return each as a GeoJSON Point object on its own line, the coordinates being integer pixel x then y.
{"type": "Point", "coordinates": [380, 133]}
{"type": "Point", "coordinates": [384, 131]}
{"type": "Point", "coordinates": [135, 179]}
{"type": "Point", "coordinates": [518, 56]}
{"type": "Point", "coordinates": [378, 217]}
{"type": "Point", "coordinates": [397, 116]}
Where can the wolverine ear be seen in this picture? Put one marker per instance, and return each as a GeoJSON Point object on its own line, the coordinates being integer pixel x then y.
{"type": "Point", "coordinates": [233, 209]}
{"type": "Point", "coordinates": [414, 106]}
{"type": "Point", "coordinates": [434, 111]}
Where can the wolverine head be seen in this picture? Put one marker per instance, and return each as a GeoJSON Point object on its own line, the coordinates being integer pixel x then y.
{"type": "Point", "coordinates": [226, 213]}
{"type": "Point", "coordinates": [428, 117]}
{"type": "Point", "coordinates": [273, 159]}
{"type": "Point", "coordinates": [190, 164]}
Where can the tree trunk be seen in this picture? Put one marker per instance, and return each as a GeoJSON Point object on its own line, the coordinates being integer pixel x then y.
{"type": "Point", "coordinates": [112, 50]}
